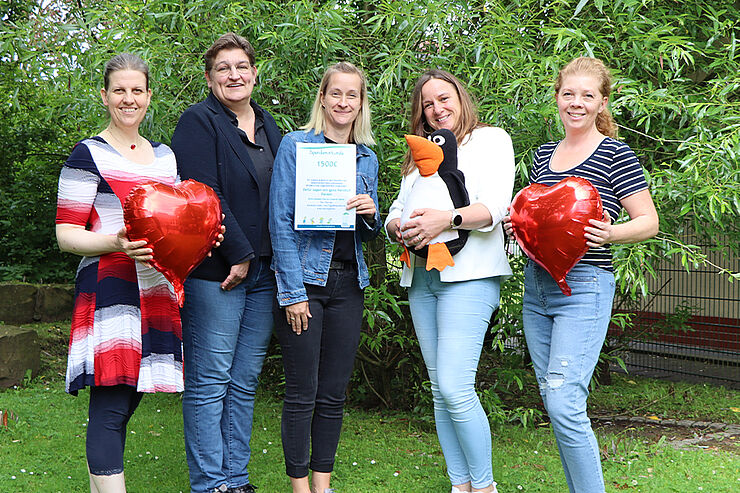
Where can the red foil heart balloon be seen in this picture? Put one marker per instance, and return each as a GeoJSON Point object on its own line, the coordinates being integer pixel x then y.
{"type": "Point", "coordinates": [180, 224]}
{"type": "Point", "coordinates": [549, 223]}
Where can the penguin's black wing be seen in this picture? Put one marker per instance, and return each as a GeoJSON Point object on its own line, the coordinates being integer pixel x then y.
{"type": "Point", "coordinates": [455, 181]}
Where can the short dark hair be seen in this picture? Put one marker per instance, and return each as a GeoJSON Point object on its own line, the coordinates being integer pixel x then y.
{"type": "Point", "coordinates": [227, 42]}
{"type": "Point", "coordinates": [125, 61]}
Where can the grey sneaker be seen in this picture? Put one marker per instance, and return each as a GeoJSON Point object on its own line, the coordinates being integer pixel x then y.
{"type": "Point", "coordinates": [329, 490]}
{"type": "Point", "coordinates": [221, 489]}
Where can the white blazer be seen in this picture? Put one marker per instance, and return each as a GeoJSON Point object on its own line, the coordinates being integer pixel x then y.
{"type": "Point", "coordinates": [486, 158]}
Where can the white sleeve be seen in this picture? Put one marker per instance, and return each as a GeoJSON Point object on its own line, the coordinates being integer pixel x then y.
{"type": "Point", "coordinates": [396, 209]}
{"type": "Point", "coordinates": [492, 184]}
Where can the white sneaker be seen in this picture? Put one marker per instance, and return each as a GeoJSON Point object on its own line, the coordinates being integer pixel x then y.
{"type": "Point", "coordinates": [455, 490]}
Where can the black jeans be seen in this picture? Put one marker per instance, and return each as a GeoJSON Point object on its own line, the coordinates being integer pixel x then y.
{"type": "Point", "coordinates": [318, 364]}
{"type": "Point", "coordinates": [109, 411]}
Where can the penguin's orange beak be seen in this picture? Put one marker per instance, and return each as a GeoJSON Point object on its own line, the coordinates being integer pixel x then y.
{"type": "Point", "coordinates": [427, 155]}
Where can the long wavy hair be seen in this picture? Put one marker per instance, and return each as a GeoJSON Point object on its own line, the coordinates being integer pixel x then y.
{"type": "Point", "coordinates": [466, 123]}
{"type": "Point", "coordinates": [362, 132]}
{"type": "Point", "coordinates": [595, 68]}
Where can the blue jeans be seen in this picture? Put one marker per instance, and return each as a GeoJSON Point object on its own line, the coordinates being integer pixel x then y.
{"type": "Point", "coordinates": [225, 338]}
{"type": "Point", "coordinates": [451, 319]}
{"type": "Point", "coordinates": [564, 335]}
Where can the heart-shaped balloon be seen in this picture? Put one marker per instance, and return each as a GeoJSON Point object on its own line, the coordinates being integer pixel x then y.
{"type": "Point", "coordinates": [549, 223]}
{"type": "Point", "coordinates": [180, 224]}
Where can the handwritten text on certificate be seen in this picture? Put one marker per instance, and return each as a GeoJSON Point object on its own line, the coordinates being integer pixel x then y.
{"type": "Point", "coordinates": [325, 178]}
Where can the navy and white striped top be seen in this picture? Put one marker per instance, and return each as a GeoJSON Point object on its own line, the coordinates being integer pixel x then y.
{"type": "Point", "coordinates": [613, 169]}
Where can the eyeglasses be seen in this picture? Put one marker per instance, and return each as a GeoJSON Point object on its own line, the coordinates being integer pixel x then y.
{"type": "Point", "coordinates": [241, 69]}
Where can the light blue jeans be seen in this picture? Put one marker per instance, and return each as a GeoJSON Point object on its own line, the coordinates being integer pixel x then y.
{"type": "Point", "coordinates": [564, 335]}
{"type": "Point", "coordinates": [451, 319]}
{"type": "Point", "coordinates": [225, 339]}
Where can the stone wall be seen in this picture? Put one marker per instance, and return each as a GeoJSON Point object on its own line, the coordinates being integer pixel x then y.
{"type": "Point", "coordinates": [19, 352]}
{"type": "Point", "coordinates": [22, 303]}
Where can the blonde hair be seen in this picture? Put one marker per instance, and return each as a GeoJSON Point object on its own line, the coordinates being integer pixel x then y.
{"type": "Point", "coordinates": [362, 132]}
{"type": "Point", "coordinates": [466, 123]}
{"type": "Point", "coordinates": [596, 68]}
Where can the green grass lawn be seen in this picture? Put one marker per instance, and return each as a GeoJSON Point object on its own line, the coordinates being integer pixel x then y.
{"type": "Point", "coordinates": [44, 450]}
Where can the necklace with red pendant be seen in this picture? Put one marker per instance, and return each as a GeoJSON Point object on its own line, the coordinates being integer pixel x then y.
{"type": "Point", "coordinates": [133, 146]}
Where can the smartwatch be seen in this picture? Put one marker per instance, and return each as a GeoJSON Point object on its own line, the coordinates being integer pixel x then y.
{"type": "Point", "coordinates": [456, 219]}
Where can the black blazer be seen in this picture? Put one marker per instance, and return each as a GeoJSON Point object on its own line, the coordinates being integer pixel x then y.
{"type": "Point", "coordinates": [209, 149]}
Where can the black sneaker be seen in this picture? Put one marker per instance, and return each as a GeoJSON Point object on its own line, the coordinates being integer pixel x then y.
{"type": "Point", "coordinates": [247, 488]}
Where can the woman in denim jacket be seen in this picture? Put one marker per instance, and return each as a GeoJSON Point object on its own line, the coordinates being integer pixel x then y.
{"type": "Point", "coordinates": [320, 277]}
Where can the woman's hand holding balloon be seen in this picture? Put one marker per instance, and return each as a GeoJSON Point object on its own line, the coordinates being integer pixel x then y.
{"type": "Point", "coordinates": [220, 236]}
{"type": "Point", "coordinates": [600, 232]}
{"type": "Point", "coordinates": [137, 250]}
{"type": "Point", "coordinates": [506, 223]}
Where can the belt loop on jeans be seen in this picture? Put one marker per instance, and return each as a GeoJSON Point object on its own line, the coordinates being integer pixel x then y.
{"type": "Point", "coordinates": [339, 265]}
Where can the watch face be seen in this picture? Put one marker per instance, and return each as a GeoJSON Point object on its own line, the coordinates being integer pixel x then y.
{"type": "Point", "coordinates": [457, 220]}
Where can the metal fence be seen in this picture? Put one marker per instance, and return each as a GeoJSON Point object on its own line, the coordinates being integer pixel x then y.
{"type": "Point", "coordinates": [690, 328]}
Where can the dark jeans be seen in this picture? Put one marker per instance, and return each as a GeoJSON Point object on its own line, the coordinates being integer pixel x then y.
{"type": "Point", "coordinates": [109, 411]}
{"type": "Point", "coordinates": [318, 364]}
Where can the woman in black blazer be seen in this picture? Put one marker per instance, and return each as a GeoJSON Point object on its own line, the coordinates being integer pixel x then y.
{"type": "Point", "coordinates": [227, 142]}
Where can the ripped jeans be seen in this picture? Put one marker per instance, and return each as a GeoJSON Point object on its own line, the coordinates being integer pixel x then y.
{"type": "Point", "coordinates": [564, 335]}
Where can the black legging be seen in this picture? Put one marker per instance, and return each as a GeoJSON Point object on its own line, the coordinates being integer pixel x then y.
{"type": "Point", "coordinates": [318, 364]}
{"type": "Point", "coordinates": [109, 412]}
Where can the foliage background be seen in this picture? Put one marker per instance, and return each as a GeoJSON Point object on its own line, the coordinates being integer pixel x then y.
{"type": "Point", "coordinates": [677, 101]}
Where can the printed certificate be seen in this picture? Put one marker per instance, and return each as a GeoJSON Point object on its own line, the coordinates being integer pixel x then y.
{"type": "Point", "coordinates": [326, 178]}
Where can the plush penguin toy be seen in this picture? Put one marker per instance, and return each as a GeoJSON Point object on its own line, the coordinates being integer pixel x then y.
{"type": "Point", "coordinates": [440, 186]}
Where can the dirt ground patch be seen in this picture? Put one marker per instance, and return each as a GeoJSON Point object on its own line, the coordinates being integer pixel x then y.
{"type": "Point", "coordinates": [679, 437]}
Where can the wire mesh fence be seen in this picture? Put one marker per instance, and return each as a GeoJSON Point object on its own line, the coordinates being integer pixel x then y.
{"type": "Point", "coordinates": [689, 329]}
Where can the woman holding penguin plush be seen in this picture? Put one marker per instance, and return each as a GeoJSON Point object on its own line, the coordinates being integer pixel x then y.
{"type": "Point", "coordinates": [452, 301]}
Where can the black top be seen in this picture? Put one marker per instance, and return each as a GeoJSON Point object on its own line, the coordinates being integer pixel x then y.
{"type": "Point", "coordinates": [210, 150]}
{"type": "Point", "coordinates": [262, 158]}
{"type": "Point", "coordinates": [344, 241]}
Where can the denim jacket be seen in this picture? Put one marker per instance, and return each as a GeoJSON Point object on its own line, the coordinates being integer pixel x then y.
{"type": "Point", "coordinates": [304, 256]}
